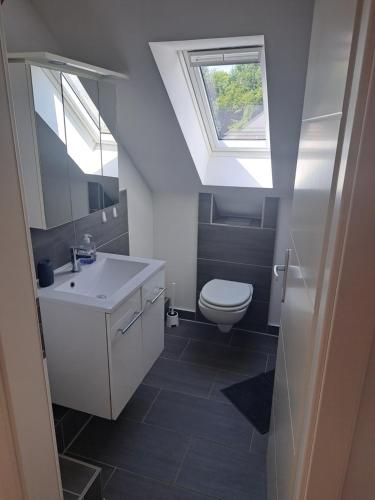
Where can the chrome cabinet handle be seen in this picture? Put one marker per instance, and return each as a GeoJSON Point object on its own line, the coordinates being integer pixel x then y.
{"type": "Point", "coordinates": [136, 316]}
{"type": "Point", "coordinates": [152, 301]}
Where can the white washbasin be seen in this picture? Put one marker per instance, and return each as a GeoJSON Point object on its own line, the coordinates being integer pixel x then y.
{"type": "Point", "coordinates": [102, 279]}
{"type": "Point", "coordinates": [103, 284]}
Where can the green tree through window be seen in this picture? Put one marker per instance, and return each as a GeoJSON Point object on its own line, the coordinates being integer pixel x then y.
{"type": "Point", "coordinates": [236, 99]}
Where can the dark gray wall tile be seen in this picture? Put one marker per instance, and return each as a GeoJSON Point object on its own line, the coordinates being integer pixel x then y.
{"type": "Point", "coordinates": [271, 363]}
{"type": "Point", "coordinates": [215, 210]}
{"type": "Point", "coordinates": [102, 233]}
{"type": "Point", "coordinates": [205, 207]}
{"type": "Point", "coordinates": [119, 245]}
{"type": "Point", "coordinates": [259, 276]}
{"type": "Point", "coordinates": [183, 314]}
{"type": "Point", "coordinates": [111, 237]}
{"type": "Point", "coordinates": [201, 331]}
{"type": "Point", "coordinates": [236, 244]}
{"type": "Point", "coordinates": [273, 330]}
{"type": "Point", "coordinates": [53, 244]}
{"type": "Point", "coordinates": [230, 220]}
{"type": "Point", "coordinates": [270, 211]}
{"type": "Point", "coordinates": [256, 317]}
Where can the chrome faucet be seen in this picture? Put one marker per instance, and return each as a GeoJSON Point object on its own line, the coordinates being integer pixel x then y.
{"type": "Point", "coordinates": [76, 265]}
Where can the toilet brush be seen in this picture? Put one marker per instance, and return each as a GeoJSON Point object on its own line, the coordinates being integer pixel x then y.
{"type": "Point", "coordinates": [172, 315]}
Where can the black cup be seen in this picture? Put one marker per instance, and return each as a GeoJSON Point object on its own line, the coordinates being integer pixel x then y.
{"type": "Point", "coordinates": [45, 273]}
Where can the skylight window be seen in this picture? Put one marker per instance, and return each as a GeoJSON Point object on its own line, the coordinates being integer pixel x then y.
{"type": "Point", "coordinates": [230, 92]}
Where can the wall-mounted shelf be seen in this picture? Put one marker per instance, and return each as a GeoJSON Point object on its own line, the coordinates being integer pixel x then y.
{"type": "Point", "coordinates": [54, 61]}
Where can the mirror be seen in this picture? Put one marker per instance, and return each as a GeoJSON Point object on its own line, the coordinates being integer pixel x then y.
{"type": "Point", "coordinates": [76, 127]}
{"type": "Point", "coordinates": [50, 132]}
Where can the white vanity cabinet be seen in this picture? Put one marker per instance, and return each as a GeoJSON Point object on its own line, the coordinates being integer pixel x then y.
{"type": "Point", "coordinates": [97, 359]}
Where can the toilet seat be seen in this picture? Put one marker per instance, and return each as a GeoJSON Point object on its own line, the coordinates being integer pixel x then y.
{"type": "Point", "coordinates": [226, 295]}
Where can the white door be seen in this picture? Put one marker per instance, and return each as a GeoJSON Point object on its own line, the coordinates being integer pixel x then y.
{"type": "Point", "coordinates": [328, 74]}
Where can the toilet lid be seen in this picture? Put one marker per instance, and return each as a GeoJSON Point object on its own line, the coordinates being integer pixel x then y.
{"type": "Point", "coordinates": [226, 293]}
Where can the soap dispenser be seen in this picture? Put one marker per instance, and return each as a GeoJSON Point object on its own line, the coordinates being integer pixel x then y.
{"type": "Point", "coordinates": [88, 248]}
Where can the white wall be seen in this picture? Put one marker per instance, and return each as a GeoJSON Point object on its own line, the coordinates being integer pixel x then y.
{"type": "Point", "coordinates": [140, 207]}
{"type": "Point", "coordinates": [175, 239]}
{"type": "Point", "coordinates": [25, 29]}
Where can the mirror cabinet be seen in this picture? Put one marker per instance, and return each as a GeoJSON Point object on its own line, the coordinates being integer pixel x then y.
{"type": "Point", "coordinates": [66, 129]}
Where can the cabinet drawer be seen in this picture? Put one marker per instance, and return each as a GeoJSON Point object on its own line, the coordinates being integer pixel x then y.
{"type": "Point", "coordinates": [152, 290]}
{"type": "Point", "coordinates": [123, 315]}
{"type": "Point", "coordinates": [153, 319]}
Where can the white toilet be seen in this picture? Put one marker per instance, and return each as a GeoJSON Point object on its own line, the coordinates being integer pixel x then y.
{"type": "Point", "coordinates": [225, 302]}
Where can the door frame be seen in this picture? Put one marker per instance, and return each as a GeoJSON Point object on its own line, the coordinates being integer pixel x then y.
{"type": "Point", "coordinates": [346, 297]}
{"type": "Point", "coordinates": [28, 454]}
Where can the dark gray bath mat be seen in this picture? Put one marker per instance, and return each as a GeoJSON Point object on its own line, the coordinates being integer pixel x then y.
{"type": "Point", "coordinates": [253, 398]}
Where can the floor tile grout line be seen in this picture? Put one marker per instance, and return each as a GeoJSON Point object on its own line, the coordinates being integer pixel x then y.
{"type": "Point", "coordinates": [89, 484]}
{"type": "Point", "coordinates": [184, 349]}
{"type": "Point", "coordinates": [185, 393]}
{"type": "Point", "coordinates": [256, 332]}
{"type": "Point", "coordinates": [210, 392]}
{"type": "Point", "coordinates": [78, 433]}
{"type": "Point", "coordinates": [193, 436]}
{"type": "Point", "coordinates": [153, 478]}
{"type": "Point", "coordinates": [183, 459]}
{"type": "Point", "coordinates": [78, 495]}
{"type": "Point", "coordinates": [251, 439]}
{"type": "Point", "coordinates": [247, 374]}
{"type": "Point", "coordinates": [234, 347]}
{"type": "Point", "coordinates": [110, 477]}
{"type": "Point", "coordinates": [231, 338]}
{"type": "Point", "coordinates": [224, 344]}
{"type": "Point", "coordinates": [150, 407]}
{"type": "Point", "coordinates": [167, 484]}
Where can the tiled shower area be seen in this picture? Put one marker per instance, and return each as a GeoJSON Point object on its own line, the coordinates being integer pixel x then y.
{"type": "Point", "coordinates": [179, 438]}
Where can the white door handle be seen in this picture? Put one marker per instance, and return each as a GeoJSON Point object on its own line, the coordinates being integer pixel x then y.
{"type": "Point", "coordinates": [278, 269]}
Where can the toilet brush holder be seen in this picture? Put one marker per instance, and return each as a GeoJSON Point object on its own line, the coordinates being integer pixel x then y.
{"type": "Point", "coordinates": [172, 319]}
{"type": "Point", "coordinates": [172, 315]}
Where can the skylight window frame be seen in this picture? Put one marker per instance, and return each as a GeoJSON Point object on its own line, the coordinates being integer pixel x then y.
{"type": "Point", "coordinates": [257, 148]}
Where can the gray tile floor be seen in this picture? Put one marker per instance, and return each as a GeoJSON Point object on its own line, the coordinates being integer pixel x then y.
{"type": "Point", "coordinates": [179, 438]}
